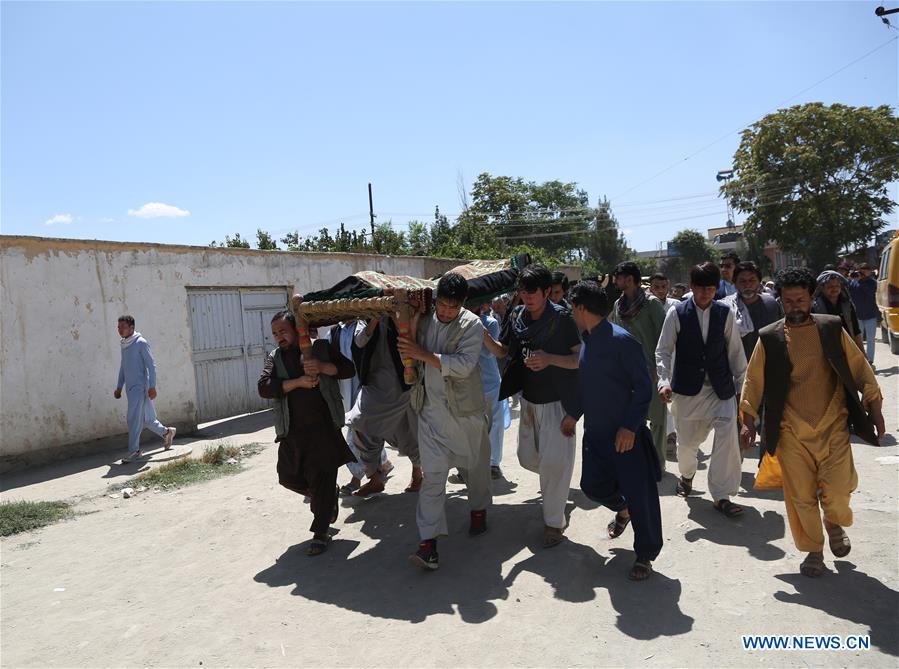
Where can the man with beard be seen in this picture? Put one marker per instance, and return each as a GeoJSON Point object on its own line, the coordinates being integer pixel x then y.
{"type": "Point", "coordinates": [806, 375]}
{"type": "Point", "coordinates": [642, 315]}
{"type": "Point", "coordinates": [452, 424]}
{"type": "Point", "coordinates": [832, 297]}
{"type": "Point", "coordinates": [701, 364]}
{"type": "Point", "coordinates": [308, 412]}
{"type": "Point", "coordinates": [620, 468]}
{"type": "Point", "coordinates": [752, 309]}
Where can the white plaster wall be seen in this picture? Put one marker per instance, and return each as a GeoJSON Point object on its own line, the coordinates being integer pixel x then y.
{"type": "Point", "coordinates": [59, 305]}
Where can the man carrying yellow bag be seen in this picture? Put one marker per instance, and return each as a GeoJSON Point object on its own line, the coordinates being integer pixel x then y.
{"type": "Point", "coordinates": [808, 374]}
{"type": "Point", "coordinates": [769, 476]}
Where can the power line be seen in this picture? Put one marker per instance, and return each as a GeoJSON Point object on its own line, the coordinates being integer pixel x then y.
{"type": "Point", "coordinates": [725, 136]}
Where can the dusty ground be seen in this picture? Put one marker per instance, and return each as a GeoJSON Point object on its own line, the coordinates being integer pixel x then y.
{"type": "Point", "coordinates": [216, 575]}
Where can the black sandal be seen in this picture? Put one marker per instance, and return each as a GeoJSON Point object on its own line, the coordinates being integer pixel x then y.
{"type": "Point", "coordinates": [641, 570]}
{"type": "Point", "coordinates": [684, 487]}
{"type": "Point", "coordinates": [317, 546]}
{"type": "Point", "coordinates": [618, 526]}
{"type": "Point", "coordinates": [728, 508]}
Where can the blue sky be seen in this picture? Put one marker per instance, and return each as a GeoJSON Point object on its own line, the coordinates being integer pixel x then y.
{"type": "Point", "coordinates": [183, 122]}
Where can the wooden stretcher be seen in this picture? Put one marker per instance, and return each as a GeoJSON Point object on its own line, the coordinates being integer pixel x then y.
{"type": "Point", "coordinates": [401, 306]}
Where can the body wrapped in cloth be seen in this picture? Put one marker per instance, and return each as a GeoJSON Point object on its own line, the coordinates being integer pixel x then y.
{"type": "Point", "coordinates": [368, 294]}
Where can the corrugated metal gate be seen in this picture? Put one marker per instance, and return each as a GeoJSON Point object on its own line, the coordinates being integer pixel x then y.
{"type": "Point", "coordinates": [230, 337]}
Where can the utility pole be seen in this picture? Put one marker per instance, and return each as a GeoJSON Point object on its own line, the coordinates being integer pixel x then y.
{"type": "Point", "coordinates": [726, 176]}
{"type": "Point", "coordinates": [371, 213]}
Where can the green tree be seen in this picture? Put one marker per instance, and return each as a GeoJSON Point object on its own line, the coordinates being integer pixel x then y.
{"type": "Point", "coordinates": [292, 241]}
{"type": "Point", "coordinates": [814, 178]}
{"type": "Point", "coordinates": [264, 241]}
{"type": "Point", "coordinates": [235, 242]}
{"type": "Point", "coordinates": [552, 215]}
{"type": "Point", "coordinates": [691, 248]}
{"type": "Point", "coordinates": [419, 239]}
{"type": "Point", "coordinates": [606, 245]}
{"type": "Point", "coordinates": [388, 241]}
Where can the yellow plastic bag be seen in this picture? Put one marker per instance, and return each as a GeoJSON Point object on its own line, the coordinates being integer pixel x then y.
{"type": "Point", "coordinates": [769, 476]}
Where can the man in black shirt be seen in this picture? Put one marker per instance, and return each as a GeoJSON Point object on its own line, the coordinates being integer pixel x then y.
{"type": "Point", "coordinates": [542, 343]}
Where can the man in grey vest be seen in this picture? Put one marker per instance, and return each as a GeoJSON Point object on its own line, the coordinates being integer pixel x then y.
{"type": "Point", "coordinates": [452, 424]}
{"type": "Point", "coordinates": [752, 309]}
{"type": "Point", "coordinates": [308, 412]}
{"type": "Point", "coordinates": [806, 375]}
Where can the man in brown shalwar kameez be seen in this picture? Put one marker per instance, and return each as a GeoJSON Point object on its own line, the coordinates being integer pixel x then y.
{"type": "Point", "coordinates": [308, 414]}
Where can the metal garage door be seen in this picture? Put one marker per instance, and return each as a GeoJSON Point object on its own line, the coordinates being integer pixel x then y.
{"type": "Point", "coordinates": [230, 336]}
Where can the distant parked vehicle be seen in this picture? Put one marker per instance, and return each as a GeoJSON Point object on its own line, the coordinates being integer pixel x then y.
{"type": "Point", "coordinates": [888, 293]}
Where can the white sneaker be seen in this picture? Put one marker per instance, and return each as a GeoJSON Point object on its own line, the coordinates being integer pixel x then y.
{"type": "Point", "coordinates": [132, 456]}
{"type": "Point", "coordinates": [169, 437]}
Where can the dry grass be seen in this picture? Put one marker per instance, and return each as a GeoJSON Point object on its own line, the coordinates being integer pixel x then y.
{"type": "Point", "coordinates": [215, 462]}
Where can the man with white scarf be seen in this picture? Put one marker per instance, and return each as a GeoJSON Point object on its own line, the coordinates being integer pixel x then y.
{"type": "Point", "coordinates": [752, 308]}
{"type": "Point", "coordinates": [137, 374]}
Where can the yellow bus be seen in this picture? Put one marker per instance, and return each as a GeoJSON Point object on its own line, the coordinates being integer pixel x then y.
{"type": "Point", "coordinates": [888, 293]}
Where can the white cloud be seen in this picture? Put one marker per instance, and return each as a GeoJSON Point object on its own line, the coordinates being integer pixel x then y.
{"type": "Point", "coordinates": [60, 219]}
{"type": "Point", "coordinates": [158, 210]}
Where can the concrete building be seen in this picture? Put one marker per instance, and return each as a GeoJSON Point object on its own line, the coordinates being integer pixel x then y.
{"type": "Point", "coordinates": [205, 312]}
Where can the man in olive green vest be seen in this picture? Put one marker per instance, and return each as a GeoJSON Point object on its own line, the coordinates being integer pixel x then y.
{"type": "Point", "coordinates": [308, 413]}
{"type": "Point", "coordinates": [643, 315]}
{"type": "Point", "coordinates": [807, 373]}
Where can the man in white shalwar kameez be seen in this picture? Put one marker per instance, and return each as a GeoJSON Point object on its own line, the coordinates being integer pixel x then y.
{"type": "Point", "coordinates": [452, 422]}
{"type": "Point", "coordinates": [701, 365]}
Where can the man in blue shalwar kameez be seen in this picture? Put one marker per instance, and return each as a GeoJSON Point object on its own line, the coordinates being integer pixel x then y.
{"type": "Point", "coordinates": [620, 468]}
{"type": "Point", "coordinates": [137, 374]}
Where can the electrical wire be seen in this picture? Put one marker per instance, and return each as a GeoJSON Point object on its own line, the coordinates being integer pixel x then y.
{"type": "Point", "coordinates": [732, 132]}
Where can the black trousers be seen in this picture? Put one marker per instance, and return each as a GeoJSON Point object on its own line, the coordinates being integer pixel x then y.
{"type": "Point", "coordinates": [309, 467]}
{"type": "Point", "coordinates": [627, 480]}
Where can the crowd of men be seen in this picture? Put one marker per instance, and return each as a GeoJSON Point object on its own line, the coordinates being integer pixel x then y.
{"type": "Point", "coordinates": [647, 368]}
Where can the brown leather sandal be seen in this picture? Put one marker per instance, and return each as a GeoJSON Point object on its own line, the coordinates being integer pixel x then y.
{"type": "Point", "coordinates": [839, 541]}
{"type": "Point", "coordinates": [813, 565]}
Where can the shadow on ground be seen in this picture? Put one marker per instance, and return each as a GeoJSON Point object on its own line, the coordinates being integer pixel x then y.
{"type": "Point", "coordinates": [244, 424]}
{"type": "Point", "coordinates": [381, 582]}
{"type": "Point", "coordinates": [108, 451]}
{"type": "Point", "coordinates": [852, 595]}
{"type": "Point", "coordinates": [751, 530]}
{"type": "Point", "coordinates": [887, 371]}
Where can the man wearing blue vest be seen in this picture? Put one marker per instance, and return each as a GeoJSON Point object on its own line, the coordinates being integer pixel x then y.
{"type": "Point", "coordinates": [700, 363]}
